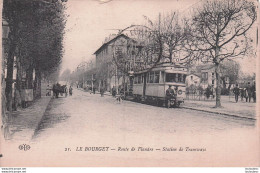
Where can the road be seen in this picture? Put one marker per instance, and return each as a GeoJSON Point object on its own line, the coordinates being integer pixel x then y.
{"type": "Point", "coordinates": [87, 120]}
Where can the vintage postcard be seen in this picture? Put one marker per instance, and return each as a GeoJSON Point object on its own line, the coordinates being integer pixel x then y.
{"type": "Point", "coordinates": [130, 83]}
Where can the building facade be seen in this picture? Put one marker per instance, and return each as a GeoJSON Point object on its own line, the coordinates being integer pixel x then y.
{"type": "Point", "coordinates": [113, 61]}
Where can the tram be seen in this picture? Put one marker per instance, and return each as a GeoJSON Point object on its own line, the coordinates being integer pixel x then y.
{"type": "Point", "coordinates": [150, 85]}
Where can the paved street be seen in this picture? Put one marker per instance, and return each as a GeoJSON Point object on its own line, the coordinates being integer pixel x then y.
{"type": "Point", "coordinates": [87, 120]}
{"type": "Point", "coordinates": [85, 113]}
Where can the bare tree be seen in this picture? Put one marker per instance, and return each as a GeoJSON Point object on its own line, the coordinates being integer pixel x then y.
{"type": "Point", "coordinates": [173, 34]}
{"type": "Point", "coordinates": [218, 30]}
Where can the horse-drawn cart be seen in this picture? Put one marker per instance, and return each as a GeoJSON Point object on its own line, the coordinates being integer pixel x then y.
{"type": "Point", "coordinates": [59, 90]}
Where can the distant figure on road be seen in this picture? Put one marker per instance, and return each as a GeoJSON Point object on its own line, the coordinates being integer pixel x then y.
{"type": "Point", "coordinates": [114, 91]}
{"type": "Point", "coordinates": [236, 92]}
{"type": "Point", "coordinates": [48, 90]}
{"type": "Point", "coordinates": [248, 89]}
{"type": "Point", "coordinates": [242, 95]}
{"type": "Point", "coordinates": [102, 92]}
{"type": "Point", "coordinates": [246, 94]}
{"type": "Point", "coordinates": [208, 92]}
{"type": "Point", "coordinates": [253, 92]}
{"type": "Point", "coordinates": [70, 91]}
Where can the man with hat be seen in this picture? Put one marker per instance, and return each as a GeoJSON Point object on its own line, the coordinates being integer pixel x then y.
{"type": "Point", "coordinates": [169, 93]}
{"type": "Point", "coordinates": [236, 92]}
{"type": "Point", "coordinates": [248, 89]}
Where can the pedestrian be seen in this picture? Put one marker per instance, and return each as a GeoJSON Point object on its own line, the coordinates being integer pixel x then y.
{"type": "Point", "coordinates": [253, 91]}
{"type": "Point", "coordinates": [66, 91]}
{"type": "Point", "coordinates": [102, 92]}
{"type": "Point", "coordinates": [208, 92]}
{"type": "Point", "coordinates": [236, 92]}
{"type": "Point", "coordinates": [242, 95]}
{"type": "Point", "coordinates": [213, 92]}
{"type": "Point", "coordinates": [70, 91]}
{"type": "Point", "coordinates": [94, 89]}
{"type": "Point", "coordinates": [248, 88]}
{"type": "Point", "coordinates": [169, 94]}
{"type": "Point", "coordinates": [246, 94]}
{"type": "Point", "coordinates": [114, 91]}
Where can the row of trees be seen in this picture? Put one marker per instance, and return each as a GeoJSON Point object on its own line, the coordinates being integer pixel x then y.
{"type": "Point", "coordinates": [216, 31]}
{"type": "Point", "coordinates": [34, 45]}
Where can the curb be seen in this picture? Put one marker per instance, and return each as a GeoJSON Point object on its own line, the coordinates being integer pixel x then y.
{"type": "Point", "coordinates": [221, 113]}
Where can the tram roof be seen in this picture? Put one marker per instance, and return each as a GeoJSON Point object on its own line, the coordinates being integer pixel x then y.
{"type": "Point", "coordinates": [164, 66]}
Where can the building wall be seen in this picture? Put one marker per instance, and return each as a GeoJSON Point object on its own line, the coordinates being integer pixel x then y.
{"type": "Point", "coordinates": [105, 57]}
{"type": "Point", "coordinates": [192, 80]}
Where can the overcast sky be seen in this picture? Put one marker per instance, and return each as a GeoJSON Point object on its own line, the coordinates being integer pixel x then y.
{"type": "Point", "coordinates": [90, 22]}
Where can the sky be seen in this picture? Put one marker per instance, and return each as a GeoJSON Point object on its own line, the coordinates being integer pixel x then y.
{"type": "Point", "coordinates": [89, 22]}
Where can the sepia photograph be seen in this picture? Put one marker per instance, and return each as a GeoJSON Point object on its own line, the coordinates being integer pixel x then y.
{"type": "Point", "coordinates": [130, 83]}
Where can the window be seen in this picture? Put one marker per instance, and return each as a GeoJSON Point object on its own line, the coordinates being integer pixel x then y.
{"type": "Point", "coordinates": [156, 77]}
{"type": "Point", "coordinates": [162, 78]}
{"type": "Point", "coordinates": [139, 78]}
{"type": "Point", "coordinates": [191, 77]}
{"type": "Point", "coordinates": [204, 76]}
{"type": "Point", "coordinates": [135, 80]}
{"type": "Point", "coordinates": [179, 77]}
{"type": "Point", "coordinates": [176, 78]}
{"type": "Point", "coordinates": [151, 77]}
{"type": "Point", "coordinates": [184, 78]}
{"type": "Point", "coordinates": [170, 77]}
{"type": "Point", "coordinates": [213, 81]}
{"type": "Point", "coordinates": [148, 78]}
{"type": "Point", "coordinates": [213, 74]}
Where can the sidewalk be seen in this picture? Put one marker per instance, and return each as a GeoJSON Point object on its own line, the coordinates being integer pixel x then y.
{"type": "Point", "coordinates": [229, 107]}
{"type": "Point", "coordinates": [23, 122]}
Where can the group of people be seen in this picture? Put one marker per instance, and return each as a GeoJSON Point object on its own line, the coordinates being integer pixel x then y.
{"type": "Point", "coordinates": [58, 89]}
{"type": "Point", "coordinates": [249, 92]}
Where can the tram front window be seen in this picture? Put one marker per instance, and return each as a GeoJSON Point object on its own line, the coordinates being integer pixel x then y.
{"type": "Point", "coordinates": [175, 77]}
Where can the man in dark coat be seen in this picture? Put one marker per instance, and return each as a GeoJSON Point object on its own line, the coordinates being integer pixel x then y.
{"type": "Point", "coordinates": [253, 92]}
{"type": "Point", "coordinates": [248, 88]}
{"type": "Point", "coordinates": [169, 94]}
{"type": "Point", "coordinates": [236, 92]}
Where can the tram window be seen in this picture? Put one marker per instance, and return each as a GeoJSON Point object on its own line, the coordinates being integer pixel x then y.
{"type": "Point", "coordinates": [177, 78]}
{"type": "Point", "coordinates": [151, 77]}
{"type": "Point", "coordinates": [139, 78]}
{"type": "Point", "coordinates": [142, 81]}
{"type": "Point", "coordinates": [162, 78]}
{"type": "Point", "coordinates": [156, 77]}
{"type": "Point", "coordinates": [148, 78]}
{"type": "Point", "coordinates": [135, 80]}
{"type": "Point", "coordinates": [170, 77]}
{"type": "Point", "coordinates": [180, 77]}
{"type": "Point", "coordinates": [184, 78]}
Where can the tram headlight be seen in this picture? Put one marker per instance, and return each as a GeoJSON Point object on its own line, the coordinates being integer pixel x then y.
{"type": "Point", "coordinates": [180, 92]}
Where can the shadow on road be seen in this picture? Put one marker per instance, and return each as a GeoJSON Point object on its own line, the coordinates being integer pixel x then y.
{"type": "Point", "coordinates": [51, 118]}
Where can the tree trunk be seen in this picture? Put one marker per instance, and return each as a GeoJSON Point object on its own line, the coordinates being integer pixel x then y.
{"type": "Point", "coordinates": [170, 56]}
{"type": "Point", "coordinates": [9, 77]}
{"type": "Point", "coordinates": [217, 67]}
{"type": "Point", "coordinates": [17, 99]}
{"type": "Point", "coordinates": [218, 88]}
{"type": "Point", "coordinates": [144, 88]}
{"type": "Point", "coordinates": [37, 83]}
{"type": "Point", "coordinates": [29, 77]}
{"type": "Point", "coordinates": [4, 117]}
